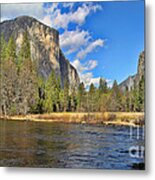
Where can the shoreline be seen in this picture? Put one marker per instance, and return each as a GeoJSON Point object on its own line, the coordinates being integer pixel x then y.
{"type": "Point", "coordinates": [105, 118]}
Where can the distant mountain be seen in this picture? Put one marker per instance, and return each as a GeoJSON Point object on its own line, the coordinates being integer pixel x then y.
{"type": "Point", "coordinates": [44, 45]}
{"type": "Point", "coordinates": [132, 81]}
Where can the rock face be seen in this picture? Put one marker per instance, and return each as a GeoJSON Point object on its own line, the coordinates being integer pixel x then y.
{"type": "Point", "coordinates": [132, 81]}
{"type": "Point", "coordinates": [128, 84]}
{"type": "Point", "coordinates": [45, 49]}
{"type": "Point", "coordinates": [141, 68]}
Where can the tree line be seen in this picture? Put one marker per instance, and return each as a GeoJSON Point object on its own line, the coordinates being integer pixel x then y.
{"type": "Point", "coordinates": [23, 91]}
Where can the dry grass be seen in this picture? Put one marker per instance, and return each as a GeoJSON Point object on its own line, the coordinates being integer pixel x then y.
{"type": "Point", "coordinates": [115, 118]}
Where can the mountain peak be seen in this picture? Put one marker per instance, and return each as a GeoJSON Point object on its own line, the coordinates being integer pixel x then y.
{"type": "Point", "coordinates": [25, 22]}
{"type": "Point", "coordinates": [132, 81]}
{"type": "Point", "coordinates": [44, 45]}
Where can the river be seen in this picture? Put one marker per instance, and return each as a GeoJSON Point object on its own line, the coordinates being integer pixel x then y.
{"type": "Point", "coordinates": [58, 145]}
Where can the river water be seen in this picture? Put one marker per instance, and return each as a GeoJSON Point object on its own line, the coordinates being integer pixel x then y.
{"type": "Point", "coordinates": [57, 145]}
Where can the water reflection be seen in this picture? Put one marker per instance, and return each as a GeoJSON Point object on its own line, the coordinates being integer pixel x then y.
{"type": "Point", "coordinates": [31, 144]}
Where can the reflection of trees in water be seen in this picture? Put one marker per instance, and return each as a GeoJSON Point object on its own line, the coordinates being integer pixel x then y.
{"type": "Point", "coordinates": [49, 144]}
{"type": "Point", "coordinates": [33, 144]}
{"type": "Point", "coordinates": [14, 143]}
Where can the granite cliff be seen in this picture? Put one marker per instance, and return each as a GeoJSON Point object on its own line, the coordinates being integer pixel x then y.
{"type": "Point", "coordinates": [44, 45]}
{"type": "Point", "coordinates": [132, 81]}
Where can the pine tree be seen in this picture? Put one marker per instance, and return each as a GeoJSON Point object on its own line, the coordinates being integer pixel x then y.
{"type": "Point", "coordinates": [41, 95]}
{"type": "Point", "coordinates": [115, 98]}
{"type": "Point", "coordinates": [8, 77]}
{"type": "Point", "coordinates": [11, 50]}
{"type": "Point", "coordinates": [73, 98]}
{"type": "Point", "coordinates": [49, 101]}
{"type": "Point", "coordinates": [27, 86]}
{"type": "Point", "coordinates": [103, 86]}
{"type": "Point", "coordinates": [24, 52]}
{"type": "Point", "coordinates": [93, 98]}
{"type": "Point", "coordinates": [61, 98]}
{"type": "Point", "coordinates": [57, 93]}
{"type": "Point", "coordinates": [66, 96]}
{"type": "Point", "coordinates": [3, 47]}
{"type": "Point", "coordinates": [81, 97]}
{"type": "Point", "coordinates": [141, 93]}
{"type": "Point", "coordinates": [8, 80]}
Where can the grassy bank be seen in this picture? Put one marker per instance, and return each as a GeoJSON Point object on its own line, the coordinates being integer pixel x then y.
{"type": "Point", "coordinates": [113, 118]}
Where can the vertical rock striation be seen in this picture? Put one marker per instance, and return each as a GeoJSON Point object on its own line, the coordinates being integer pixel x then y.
{"type": "Point", "coordinates": [132, 81]}
{"type": "Point", "coordinates": [45, 49]}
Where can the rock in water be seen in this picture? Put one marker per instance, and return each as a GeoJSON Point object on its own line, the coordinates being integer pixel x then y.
{"type": "Point", "coordinates": [44, 45]}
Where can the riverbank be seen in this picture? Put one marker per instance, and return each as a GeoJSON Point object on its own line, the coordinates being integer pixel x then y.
{"type": "Point", "coordinates": [107, 118]}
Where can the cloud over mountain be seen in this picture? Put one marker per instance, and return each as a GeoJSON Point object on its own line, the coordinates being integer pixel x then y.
{"type": "Point", "coordinates": [84, 71]}
{"type": "Point", "coordinates": [75, 40]}
{"type": "Point", "coordinates": [92, 46]}
{"type": "Point", "coordinates": [72, 41]}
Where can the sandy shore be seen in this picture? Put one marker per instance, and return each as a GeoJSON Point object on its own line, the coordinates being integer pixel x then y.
{"type": "Point", "coordinates": [112, 118]}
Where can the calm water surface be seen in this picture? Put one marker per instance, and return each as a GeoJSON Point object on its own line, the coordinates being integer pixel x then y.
{"type": "Point", "coordinates": [31, 144]}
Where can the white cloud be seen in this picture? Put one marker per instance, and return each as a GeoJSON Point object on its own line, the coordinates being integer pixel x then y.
{"type": "Point", "coordinates": [82, 54]}
{"type": "Point", "coordinates": [61, 20]}
{"type": "Point", "coordinates": [95, 81]}
{"type": "Point", "coordinates": [68, 5]}
{"type": "Point", "coordinates": [91, 64]}
{"type": "Point", "coordinates": [9, 11]}
{"type": "Point", "coordinates": [79, 41]}
{"type": "Point", "coordinates": [110, 83]}
{"type": "Point", "coordinates": [85, 76]}
{"type": "Point", "coordinates": [47, 20]}
{"type": "Point", "coordinates": [51, 15]}
{"type": "Point", "coordinates": [49, 11]}
{"type": "Point", "coordinates": [51, 8]}
{"type": "Point", "coordinates": [82, 12]}
{"type": "Point", "coordinates": [79, 67]}
{"type": "Point", "coordinates": [72, 41]}
{"type": "Point", "coordinates": [88, 78]}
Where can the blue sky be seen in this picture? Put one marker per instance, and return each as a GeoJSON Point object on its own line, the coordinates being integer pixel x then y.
{"type": "Point", "coordinates": [101, 39]}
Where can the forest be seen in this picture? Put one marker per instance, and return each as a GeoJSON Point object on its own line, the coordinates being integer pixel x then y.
{"type": "Point", "coordinates": [23, 91]}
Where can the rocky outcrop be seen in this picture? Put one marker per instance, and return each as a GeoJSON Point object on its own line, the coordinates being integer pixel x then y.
{"type": "Point", "coordinates": [128, 84]}
{"type": "Point", "coordinates": [133, 81]}
{"type": "Point", "coordinates": [140, 68]}
{"type": "Point", "coordinates": [45, 49]}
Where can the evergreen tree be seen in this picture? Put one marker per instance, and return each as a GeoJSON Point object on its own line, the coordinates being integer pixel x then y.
{"type": "Point", "coordinates": [73, 99]}
{"type": "Point", "coordinates": [103, 86]}
{"type": "Point", "coordinates": [27, 86]}
{"type": "Point", "coordinates": [139, 96]}
{"type": "Point", "coordinates": [11, 50]}
{"type": "Point", "coordinates": [49, 101]}
{"type": "Point", "coordinates": [41, 95]}
{"type": "Point", "coordinates": [57, 93]}
{"type": "Point", "coordinates": [142, 93]}
{"type": "Point", "coordinates": [115, 98]}
{"type": "Point", "coordinates": [66, 95]}
{"type": "Point", "coordinates": [8, 80]}
{"type": "Point", "coordinates": [8, 77]}
{"type": "Point", "coordinates": [61, 98]}
{"type": "Point", "coordinates": [3, 47]}
{"type": "Point", "coordinates": [81, 97]}
{"type": "Point", "coordinates": [92, 101]}
{"type": "Point", "coordinates": [24, 52]}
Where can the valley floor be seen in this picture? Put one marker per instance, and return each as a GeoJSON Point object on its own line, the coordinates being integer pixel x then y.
{"type": "Point", "coordinates": [107, 118]}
